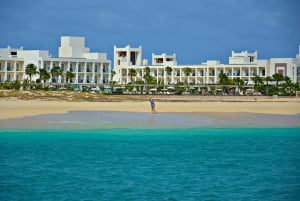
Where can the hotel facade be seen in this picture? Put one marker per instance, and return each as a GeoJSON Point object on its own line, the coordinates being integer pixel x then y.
{"type": "Point", "coordinates": [88, 68]}
{"type": "Point", "coordinates": [94, 69]}
{"type": "Point", "coordinates": [243, 65]}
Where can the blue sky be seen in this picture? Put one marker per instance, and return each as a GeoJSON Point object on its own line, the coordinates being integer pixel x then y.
{"type": "Point", "coordinates": [196, 30]}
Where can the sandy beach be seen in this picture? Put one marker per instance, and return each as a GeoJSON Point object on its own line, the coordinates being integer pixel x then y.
{"type": "Point", "coordinates": [12, 108]}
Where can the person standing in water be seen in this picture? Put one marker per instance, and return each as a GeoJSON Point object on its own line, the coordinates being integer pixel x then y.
{"type": "Point", "coordinates": [152, 104]}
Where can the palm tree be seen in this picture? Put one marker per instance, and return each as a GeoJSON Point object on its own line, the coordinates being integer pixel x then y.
{"type": "Point", "coordinates": [31, 70]}
{"type": "Point", "coordinates": [187, 71]}
{"type": "Point", "coordinates": [287, 80]}
{"type": "Point", "coordinates": [238, 81]}
{"type": "Point", "coordinates": [112, 84]}
{"type": "Point", "coordinates": [268, 79]}
{"type": "Point", "coordinates": [257, 80]}
{"type": "Point", "coordinates": [223, 79]}
{"type": "Point", "coordinates": [131, 73]}
{"type": "Point", "coordinates": [147, 77]}
{"type": "Point", "coordinates": [168, 70]}
{"type": "Point", "coordinates": [147, 70]}
{"type": "Point", "coordinates": [113, 73]}
{"type": "Point", "coordinates": [69, 76]}
{"type": "Point", "coordinates": [44, 75]}
{"type": "Point", "coordinates": [277, 77]}
{"type": "Point", "coordinates": [56, 72]}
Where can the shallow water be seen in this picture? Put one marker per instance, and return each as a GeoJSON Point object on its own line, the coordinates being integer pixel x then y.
{"type": "Point", "coordinates": [150, 164]}
{"type": "Point", "coordinates": [108, 119]}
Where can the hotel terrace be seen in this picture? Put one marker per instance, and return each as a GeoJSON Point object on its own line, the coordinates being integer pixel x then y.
{"type": "Point", "coordinates": [94, 69]}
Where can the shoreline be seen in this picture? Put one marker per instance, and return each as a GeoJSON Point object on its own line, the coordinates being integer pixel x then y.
{"type": "Point", "coordinates": [16, 108]}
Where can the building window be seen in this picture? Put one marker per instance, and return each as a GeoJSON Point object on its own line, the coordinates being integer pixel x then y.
{"type": "Point", "coordinates": [122, 54]}
{"type": "Point", "coordinates": [159, 60]}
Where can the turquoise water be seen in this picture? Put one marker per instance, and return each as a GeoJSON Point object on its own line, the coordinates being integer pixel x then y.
{"type": "Point", "coordinates": [153, 164]}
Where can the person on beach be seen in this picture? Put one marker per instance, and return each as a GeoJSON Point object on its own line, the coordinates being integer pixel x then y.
{"type": "Point", "coordinates": [152, 103]}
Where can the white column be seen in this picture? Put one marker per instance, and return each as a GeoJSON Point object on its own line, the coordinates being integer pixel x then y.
{"type": "Point", "coordinates": [93, 73]}
{"type": "Point", "coordinates": [84, 72]}
{"type": "Point", "coordinates": [164, 72]}
{"type": "Point", "coordinates": [215, 75]}
{"type": "Point", "coordinates": [157, 74]}
{"type": "Point", "coordinates": [240, 73]}
{"type": "Point", "coordinates": [14, 70]}
{"type": "Point", "coordinates": [206, 74]}
{"type": "Point", "coordinates": [76, 73]}
{"type": "Point", "coordinates": [249, 74]}
{"type": "Point", "coordinates": [180, 75]}
{"type": "Point", "coordinates": [101, 73]}
{"type": "Point", "coordinates": [127, 79]}
{"type": "Point", "coordinates": [109, 72]}
{"type": "Point", "coordinates": [295, 73]}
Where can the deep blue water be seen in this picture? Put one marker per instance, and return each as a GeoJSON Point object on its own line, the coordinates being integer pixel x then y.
{"type": "Point", "coordinates": [153, 164]}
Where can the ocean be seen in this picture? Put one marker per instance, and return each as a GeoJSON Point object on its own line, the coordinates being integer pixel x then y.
{"type": "Point", "coordinates": [150, 164]}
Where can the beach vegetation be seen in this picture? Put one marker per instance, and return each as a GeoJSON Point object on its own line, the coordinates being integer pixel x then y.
{"type": "Point", "coordinates": [168, 70]}
{"type": "Point", "coordinates": [223, 79]}
{"type": "Point", "coordinates": [56, 72]}
{"type": "Point", "coordinates": [44, 75]}
{"type": "Point", "coordinates": [238, 82]}
{"type": "Point", "coordinates": [277, 77]}
{"type": "Point", "coordinates": [112, 85]}
{"type": "Point", "coordinates": [148, 78]}
{"type": "Point", "coordinates": [31, 70]}
{"type": "Point", "coordinates": [131, 73]}
{"type": "Point", "coordinates": [8, 85]}
{"type": "Point", "coordinates": [113, 73]}
{"type": "Point", "coordinates": [257, 81]}
{"type": "Point", "coordinates": [267, 79]}
{"type": "Point", "coordinates": [69, 76]}
{"type": "Point", "coordinates": [179, 88]}
{"type": "Point", "coordinates": [187, 71]}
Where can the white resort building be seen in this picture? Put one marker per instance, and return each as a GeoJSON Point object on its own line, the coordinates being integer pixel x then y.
{"type": "Point", "coordinates": [243, 65]}
{"type": "Point", "coordinates": [95, 69]}
{"type": "Point", "coordinates": [88, 68]}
